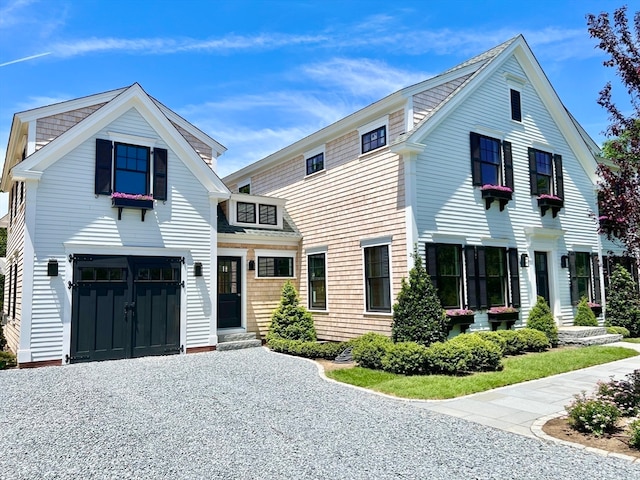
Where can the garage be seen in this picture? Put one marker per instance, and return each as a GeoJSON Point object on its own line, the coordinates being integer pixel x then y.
{"type": "Point", "coordinates": [124, 307]}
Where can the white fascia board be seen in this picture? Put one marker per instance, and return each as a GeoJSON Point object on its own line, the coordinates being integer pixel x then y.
{"type": "Point", "coordinates": [18, 130]}
{"type": "Point", "coordinates": [264, 199]}
{"type": "Point", "coordinates": [69, 105]}
{"type": "Point", "coordinates": [256, 239]}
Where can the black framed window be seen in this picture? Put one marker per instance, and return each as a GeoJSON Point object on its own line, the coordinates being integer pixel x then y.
{"type": "Point", "coordinates": [449, 275]}
{"type": "Point", "coordinates": [496, 274]}
{"type": "Point", "coordinates": [315, 163]}
{"type": "Point", "coordinates": [132, 169]}
{"type": "Point", "coordinates": [246, 212]}
{"type": "Point", "coordinates": [268, 214]}
{"type": "Point", "coordinates": [317, 281]}
{"type": "Point", "coordinates": [490, 160]}
{"type": "Point", "coordinates": [544, 172]}
{"type": "Point", "coordinates": [516, 106]}
{"type": "Point", "coordinates": [583, 274]}
{"type": "Point", "coordinates": [377, 278]}
{"type": "Point", "coordinates": [275, 266]}
{"type": "Point", "coordinates": [245, 188]}
{"type": "Point", "coordinates": [374, 139]}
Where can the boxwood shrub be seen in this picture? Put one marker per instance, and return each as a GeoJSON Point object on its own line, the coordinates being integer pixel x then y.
{"type": "Point", "coordinates": [485, 355]}
{"type": "Point", "coordinates": [406, 358]}
{"type": "Point", "coordinates": [515, 344]}
{"type": "Point", "coordinates": [369, 349]}
{"type": "Point", "coordinates": [533, 340]}
{"type": "Point", "coordinates": [448, 358]}
{"type": "Point", "coordinates": [300, 348]}
{"type": "Point", "coordinates": [495, 338]}
{"type": "Point", "coordinates": [619, 331]}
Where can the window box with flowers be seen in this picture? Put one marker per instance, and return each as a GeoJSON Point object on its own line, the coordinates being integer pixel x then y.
{"type": "Point", "coordinates": [462, 317]}
{"type": "Point", "coordinates": [499, 193]}
{"type": "Point", "coordinates": [550, 202]}
{"type": "Point", "coordinates": [497, 315]}
{"type": "Point", "coordinates": [127, 200]}
{"type": "Point", "coordinates": [596, 308]}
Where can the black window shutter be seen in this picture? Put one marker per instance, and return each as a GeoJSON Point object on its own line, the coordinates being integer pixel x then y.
{"type": "Point", "coordinates": [516, 109]}
{"type": "Point", "coordinates": [557, 167]}
{"type": "Point", "coordinates": [606, 269]}
{"type": "Point", "coordinates": [472, 284]}
{"type": "Point", "coordinates": [573, 276]}
{"type": "Point", "coordinates": [508, 164]}
{"type": "Point", "coordinates": [533, 172]}
{"type": "Point", "coordinates": [595, 278]}
{"type": "Point", "coordinates": [514, 277]}
{"type": "Point", "coordinates": [476, 166]}
{"type": "Point", "coordinates": [482, 277]}
{"type": "Point", "coordinates": [159, 173]}
{"type": "Point", "coordinates": [103, 167]}
{"type": "Point", "coordinates": [431, 252]}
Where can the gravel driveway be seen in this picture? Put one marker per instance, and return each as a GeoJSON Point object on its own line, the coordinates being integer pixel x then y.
{"type": "Point", "coordinates": [250, 414]}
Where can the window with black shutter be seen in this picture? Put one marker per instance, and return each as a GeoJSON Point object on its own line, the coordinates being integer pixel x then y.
{"type": "Point", "coordinates": [516, 108]}
{"type": "Point", "coordinates": [444, 266]}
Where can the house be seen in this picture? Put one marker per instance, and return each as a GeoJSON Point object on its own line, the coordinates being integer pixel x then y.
{"type": "Point", "coordinates": [481, 168]}
{"type": "Point", "coordinates": [113, 243]}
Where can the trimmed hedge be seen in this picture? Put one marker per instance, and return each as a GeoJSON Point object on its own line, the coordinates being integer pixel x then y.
{"type": "Point", "coordinates": [327, 350]}
{"type": "Point", "coordinates": [515, 344]}
{"type": "Point", "coordinates": [485, 355]}
{"type": "Point", "coordinates": [405, 358]}
{"type": "Point", "coordinates": [495, 338]}
{"type": "Point", "coordinates": [369, 349]}
{"type": "Point", "coordinates": [534, 340]}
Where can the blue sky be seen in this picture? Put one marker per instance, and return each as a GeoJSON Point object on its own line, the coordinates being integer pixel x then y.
{"type": "Point", "coordinates": [259, 75]}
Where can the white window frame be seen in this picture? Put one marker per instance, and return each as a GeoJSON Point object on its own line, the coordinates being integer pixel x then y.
{"type": "Point", "coordinates": [371, 126]}
{"type": "Point", "coordinates": [312, 153]}
{"type": "Point", "coordinates": [275, 253]}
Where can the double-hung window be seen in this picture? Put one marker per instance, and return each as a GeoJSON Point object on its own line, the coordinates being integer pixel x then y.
{"type": "Point", "coordinates": [133, 169]}
{"type": "Point", "coordinates": [584, 272]}
{"type": "Point", "coordinates": [444, 265]}
{"type": "Point", "coordinates": [491, 161]}
{"type": "Point", "coordinates": [377, 278]}
{"type": "Point", "coordinates": [496, 274]}
{"type": "Point", "coordinates": [317, 281]}
{"type": "Point", "coordinates": [545, 171]}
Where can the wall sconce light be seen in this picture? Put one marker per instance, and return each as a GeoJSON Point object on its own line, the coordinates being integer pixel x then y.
{"type": "Point", "coordinates": [564, 261]}
{"type": "Point", "coordinates": [524, 260]}
{"type": "Point", "coordinates": [252, 264]}
{"type": "Point", "coordinates": [197, 269]}
{"type": "Point", "coordinates": [52, 268]}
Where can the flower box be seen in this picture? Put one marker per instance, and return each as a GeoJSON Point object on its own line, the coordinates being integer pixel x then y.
{"type": "Point", "coordinates": [462, 317]}
{"type": "Point", "coordinates": [506, 315]}
{"type": "Point", "coordinates": [550, 202]}
{"type": "Point", "coordinates": [498, 193]}
{"type": "Point", "coordinates": [596, 308]}
{"type": "Point", "coordinates": [140, 202]}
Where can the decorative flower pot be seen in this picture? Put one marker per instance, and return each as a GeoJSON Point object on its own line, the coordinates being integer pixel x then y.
{"type": "Point", "coordinates": [501, 195]}
{"type": "Point", "coordinates": [550, 203]}
{"type": "Point", "coordinates": [463, 320]}
{"type": "Point", "coordinates": [495, 319]}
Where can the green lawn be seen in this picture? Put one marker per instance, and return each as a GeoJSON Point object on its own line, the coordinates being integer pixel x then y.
{"type": "Point", "coordinates": [516, 369]}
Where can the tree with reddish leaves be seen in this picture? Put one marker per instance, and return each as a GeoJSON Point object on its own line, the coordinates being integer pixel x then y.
{"type": "Point", "coordinates": [619, 187]}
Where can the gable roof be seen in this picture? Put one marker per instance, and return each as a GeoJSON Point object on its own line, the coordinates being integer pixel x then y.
{"type": "Point", "coordinates": [116, 103]}
{"type": "Point", "coordinates": [471, 73]}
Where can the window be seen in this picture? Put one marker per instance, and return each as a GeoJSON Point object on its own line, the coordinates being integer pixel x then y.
{"type": "Point", "coordinates": [128, 168]}
{"type": "Point", "coordinates": [317, 281]}
{"type": "Point", "coordinates": [488, 157]}
{"type": "Point", "coordinates": [245, 188]}
{"type": "Point", "coordinates": [275, 266]}
{"type": "Point", "coordinates": [268, 214]}
{"type": "Point", "coordinates": [545, 172]}
{"type": "Point", "coordinates": [516, 109]}
{"type": "Point", "coordinates": [449, 275]}
{"type": "Point", "coordinates": [377, 280]}
{"type": "Point", "coordinates": [132, 169]}
{"type": "Point", "coordinates": [315, 163]}
{"type": "Point", "coordinates": [496, 264]}
{"type": "Point", "coordinates": [246, 212]}
{"type": "Point", "coordinates": [584, 272]}
{"type": "Point", "coordinates": [374, 139]}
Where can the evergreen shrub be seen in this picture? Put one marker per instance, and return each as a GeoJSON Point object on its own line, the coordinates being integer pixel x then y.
{"type": "Point", "coordinates": [484, 354]}
{"type": "Point", "coordinates": [533, 340]}
{"type": "Point", "coordinates": [291, 320]}
{"type": "Point", "coordinates": [623, 302]}
{"type": "Point", "coordinates": [515, 344]}
{"type": "Point", "coordinates": [405, 358]}
{"type": "Point", "coordinates": [541, 318]}
{"type": "Point", "coordinates": [584, 315]}
{"type": "Point", "coordinates": [369, 349]}
{"type": "Point", "coordinates": [619, 331]}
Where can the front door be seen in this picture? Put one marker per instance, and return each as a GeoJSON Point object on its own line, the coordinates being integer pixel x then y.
{"type": "Point", "coordinates": [229, 292]}
{"type": "Point", "coordinates": [542, 276]}
{"type": "Point", "coordinates": [124, 307]}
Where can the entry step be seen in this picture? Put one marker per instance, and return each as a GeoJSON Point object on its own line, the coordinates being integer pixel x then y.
{"type": "Point", "coordinates": [237, 341]}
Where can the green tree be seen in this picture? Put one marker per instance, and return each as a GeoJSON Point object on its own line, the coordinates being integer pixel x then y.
{"type": "Point", "coordinates": [623, 302]}
{"type": "Point", "coordinates": [584, 315]}
{"type": "Point", "coordinates": [418, 315]}
{"type": "Point", "coordinates": [541, 318]}
{"type": "Point", "coordinates": [291, 320]}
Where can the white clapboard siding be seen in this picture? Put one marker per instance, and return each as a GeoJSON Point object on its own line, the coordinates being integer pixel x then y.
{"type": "Point", "coordinates": [68, 211]}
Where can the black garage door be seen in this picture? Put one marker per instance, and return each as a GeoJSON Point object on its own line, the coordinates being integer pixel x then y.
{"type": "Point", "coordinates": [124, 307]}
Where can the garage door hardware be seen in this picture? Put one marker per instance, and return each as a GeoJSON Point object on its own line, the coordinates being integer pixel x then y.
{"type": "Point", "coordinates": [68, 358]}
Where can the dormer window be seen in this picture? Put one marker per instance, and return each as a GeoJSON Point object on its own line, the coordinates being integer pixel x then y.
{"type": "Point", "coordinates": [268, 214]}
{"type": "Point", "coordinates": [255, 210]}
{"type": "Point", "coordinates": [246, 212]}
{"type": "Point", "coordinates": [315, 163]}
{"type": "Point", "coordinates": [374, 139]}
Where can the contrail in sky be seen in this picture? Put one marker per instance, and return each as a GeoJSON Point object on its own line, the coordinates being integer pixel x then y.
{"type": "Point", "coordinates": [24, 59]}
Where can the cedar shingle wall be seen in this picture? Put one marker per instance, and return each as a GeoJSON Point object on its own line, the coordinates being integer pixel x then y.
{"type": "Point", "coordinates": [49, 128]}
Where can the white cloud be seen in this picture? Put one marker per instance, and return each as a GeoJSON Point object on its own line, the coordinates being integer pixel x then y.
{"type": "Point", "coordinates": [10, 12]}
